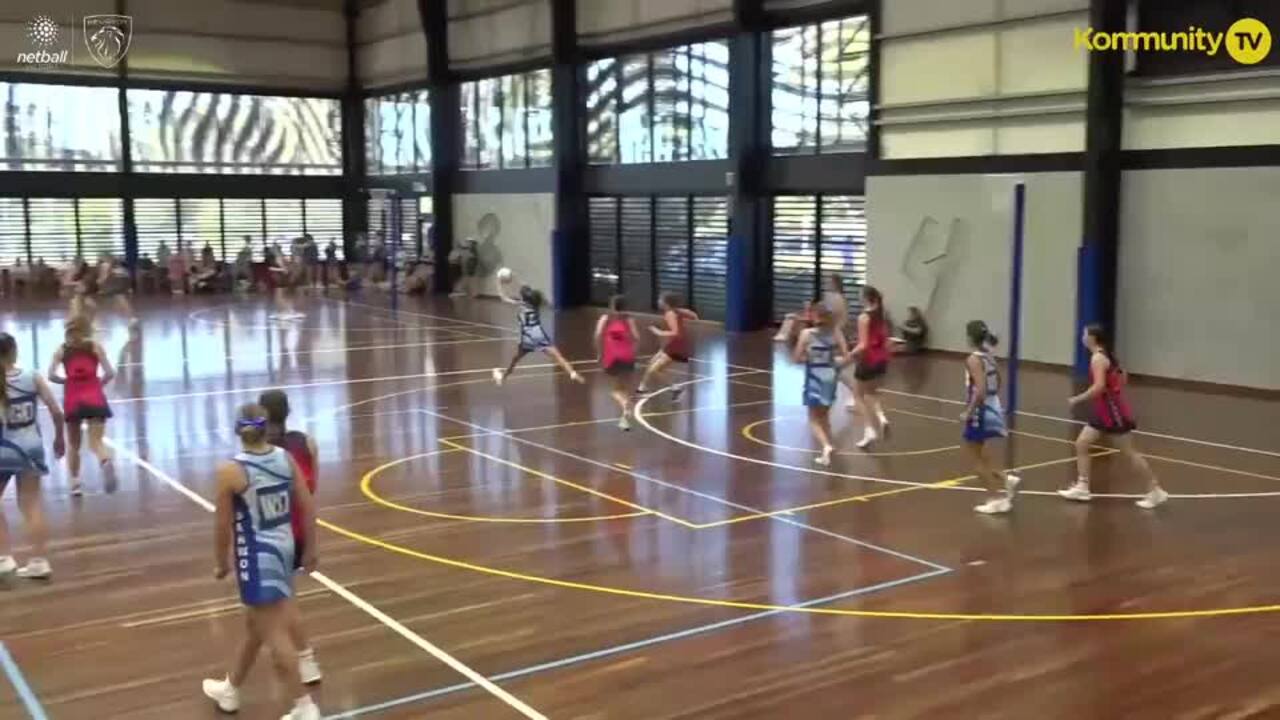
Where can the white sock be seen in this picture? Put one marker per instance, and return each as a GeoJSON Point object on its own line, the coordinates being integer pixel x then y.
{"type": "Point", "coordinates": [304, 702]}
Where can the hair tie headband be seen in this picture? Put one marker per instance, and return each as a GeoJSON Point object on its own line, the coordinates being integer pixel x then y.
{"type": "Point", "coordinates": [257, 422]}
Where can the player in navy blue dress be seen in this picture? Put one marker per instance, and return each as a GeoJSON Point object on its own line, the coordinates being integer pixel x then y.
{"type": "Point", "coordinates": [823, 350]}
{"type": "Point", "coordinates": [983, 418]}
{"type": "Point", "coordinates": [256, 492]}
{"type": "Point", "coordinates": [533, 337]}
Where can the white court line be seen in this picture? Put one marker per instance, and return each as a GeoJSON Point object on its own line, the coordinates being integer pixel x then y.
{"type": "Point", "coordinates": [1070, 421]}
{"type": "Point", "coordinates": [329, 383]}
{"type": "Point", "coordinates": [504, 328]}
{"type": "Point", "coordinates": [196, 316]}
{"type": "Point", "coordinates": [360, 603]}
{"type": "Point", "coordinates": [643, 420]}
{"type": "Point", "coordinates": [341, 349]}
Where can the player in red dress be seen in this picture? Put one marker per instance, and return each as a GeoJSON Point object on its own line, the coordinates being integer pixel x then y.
{"type": "Point", "coordinates": [677, 346]}
{"type": "Point", "coordinates": [84, 399]}
{"type": "Point", "coordinates": [616, 337]}
{"type": "Point", "coordinates": [1109, 415]}
{"type": "Point", "coordinates": [871, 356]}
{"type": "Point", "coordinates": [302, 448]}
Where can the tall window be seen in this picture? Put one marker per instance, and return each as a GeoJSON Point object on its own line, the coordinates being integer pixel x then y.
{"type": "Point", "coordinates": [670, 105]}
{"type": "Point", "coordinates": [60, 127]}
{"type": "Point", "coordinates": [199, 132]}
{"type": "Point", "coordinates": [506, 121]}
{"type": "Point", "coordinates": [398, 133]}
{"type": "Point", "coordinates": [813, 237]}
{"type": "Point", "coordinates": [821, 79]}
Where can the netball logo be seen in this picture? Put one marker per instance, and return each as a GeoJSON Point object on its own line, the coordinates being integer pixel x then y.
{"type": "Point", "coordinates": [47, 44]}
{"type": "Point", "coordinates": [107, 37]}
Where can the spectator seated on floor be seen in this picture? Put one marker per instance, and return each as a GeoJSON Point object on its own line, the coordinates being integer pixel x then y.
{"type": "Point", "coordinates": [914, 333]}
{"type": "Point", "coordinates": [418, 279]}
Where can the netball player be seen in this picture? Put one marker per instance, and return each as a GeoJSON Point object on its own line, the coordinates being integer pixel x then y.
{"type": "Point", "coordinates": [302, 448]}
{"type": "Point", "coordinates": [1110, 416]}
{"type": "Point", "coordinates": [22, 457]}
{"type": "Point", "coordinates": [533, 337]}
{"type": "Point", "coordinates": [616, 337]}
{"type": "Point", "coordinates": [676, 345]}
{"type": "Point", "coordinates": [255, 496]}
{"type": "Point", "coordinates": [871, 357]}
{"type": "Point", "coordinates": [983, 418]}
{"type": "Point", "coordinates": [823, 350]}
{"type": "Point", "coordinates": [85, 399]}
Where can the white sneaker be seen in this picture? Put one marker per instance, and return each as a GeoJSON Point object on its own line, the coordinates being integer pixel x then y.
{"type": "Point", "coordinates": [36, 569]}
{"type": "Point", "coordinates": [578, 379]}
{"type": "Point", "coordinates": [304, 709]}
{"type": "Point", "coordinates": [1078, 492]}
{"type": "Point", "coordinates": [852, 404]}
{"type": "Point", "coordinates": [223, 694]}
{"type": "Point", "coordinates": [1153, 499]}
{"type": "Point", "coordinates": [77, 489]}
{"type": "Point", "coordinates": [624, 423]}
{"type": "Point", "coordinates": [998, 506]}
{"type": "Point", "coordinates": [824, 460]}
{"type": "Point", "coordinates": [498, 377]}
{"type": "Point", "coordinates": [8, 565]}
{"type": "Point", "coordinates": [309, 668]}
{"type": "Point", "coordinates": [868, 437]}
{"type": "Point", "coordinates": [1011, 483]}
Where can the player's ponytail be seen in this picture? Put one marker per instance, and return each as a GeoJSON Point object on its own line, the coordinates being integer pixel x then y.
{"type": "Point", "coordinates": [1103, 340]}
{"type": "Point", "coordinates": [8, 356]}
{"type": "Point", "coordinates": [875, 302]}
{"type": "Point", "coordinates": [251, 424]}
{"type": "Point", "coordinates": [276, 405]}
{"type": "Point", "coordinates": [980, 336]}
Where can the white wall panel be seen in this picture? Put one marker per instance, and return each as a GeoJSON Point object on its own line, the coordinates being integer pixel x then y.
{"type": "Point", "coordinates": [938, 68]}
{"type": "Point", "coordinates": [397, 59]}
{"type": "Point", "coordinates": [523, 241]}
{"type": "Point", "coordinates": [638, 18]}
{"type": "Point", "coordinates": [1198, 268]}
{"type": "Point", "coordinates": [1039, 57]}
{"type": "Point", "coordinates": [512, 32]}
{"type": "Point", "coordinates": [1040, 135]}
{"type": "Point", "coordinates": [387, 19]}
{"type": "Point", "coordinates": [914, 218]}
{"type": "Point", "coordinates": [907, 16]}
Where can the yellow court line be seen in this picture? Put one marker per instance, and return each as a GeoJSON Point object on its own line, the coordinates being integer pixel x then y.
{"type": "Point", "coordinates": [366, 487]}
{"type": "Point", "coordinates": [896, 491]}
{"type": "Point", "coordinates": [601, 421]}
{"type": "Point", "coordinates": [691, 600]}
{"type": "Point", "coordinates": [1203, 466]}
{"type": "Point", "coordinates": [748, 432]}
{"type": "Point", "coordinates": [569, 483]}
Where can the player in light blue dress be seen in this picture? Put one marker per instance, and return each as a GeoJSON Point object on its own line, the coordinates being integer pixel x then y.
{"type": "Point", "coordinates": [256, 493]}
{"type": "Point", "coordinates": [22, 456]}
{"type": "Point", "coordinates": [983, 418]}
{"type": "Point", "coordinates": [823, 350]}
{"type": "Point", "coordinates": [533, 336]}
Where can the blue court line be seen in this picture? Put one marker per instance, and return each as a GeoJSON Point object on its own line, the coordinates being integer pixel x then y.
{"type": "Point", "coordinates": [19, 682]}
{"type": "Point", "coordinates": [628, 647]}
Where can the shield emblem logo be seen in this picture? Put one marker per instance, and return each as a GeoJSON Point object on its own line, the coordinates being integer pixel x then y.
{"type": "Point", "coordinates": [107, 37]}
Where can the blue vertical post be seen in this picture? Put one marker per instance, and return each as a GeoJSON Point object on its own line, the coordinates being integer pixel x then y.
{"type": "Point", "coordinates": [394, 224]}
{"type": "Point", "coordinates": [1015, 293]}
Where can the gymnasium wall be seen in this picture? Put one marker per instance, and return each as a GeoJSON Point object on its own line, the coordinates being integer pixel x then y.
{"type": "Point", "coordinates": [914, 220]}
{"type": "Point", "coordinates": [981, 77]}
{"type": "Point", "coordinates": [1199, 258]}
{"type": "Point", "coordinates": [1238, 108]}
{"type": "Point", "coordinates": [523, 238]}
{"type": "Point", "coordinates": [391, 48]}
{"type": "Point", "coordinates": [239, 42]}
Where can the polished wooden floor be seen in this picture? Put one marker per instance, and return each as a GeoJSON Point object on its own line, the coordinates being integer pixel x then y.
{"type": "Point", "coordinates": [697, 567]}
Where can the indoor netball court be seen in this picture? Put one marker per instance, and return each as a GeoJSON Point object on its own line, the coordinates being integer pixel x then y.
{"type": "Point", "coordinates": [699, 566]}
{"type": "Point", "coordinates": [205, 201]}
